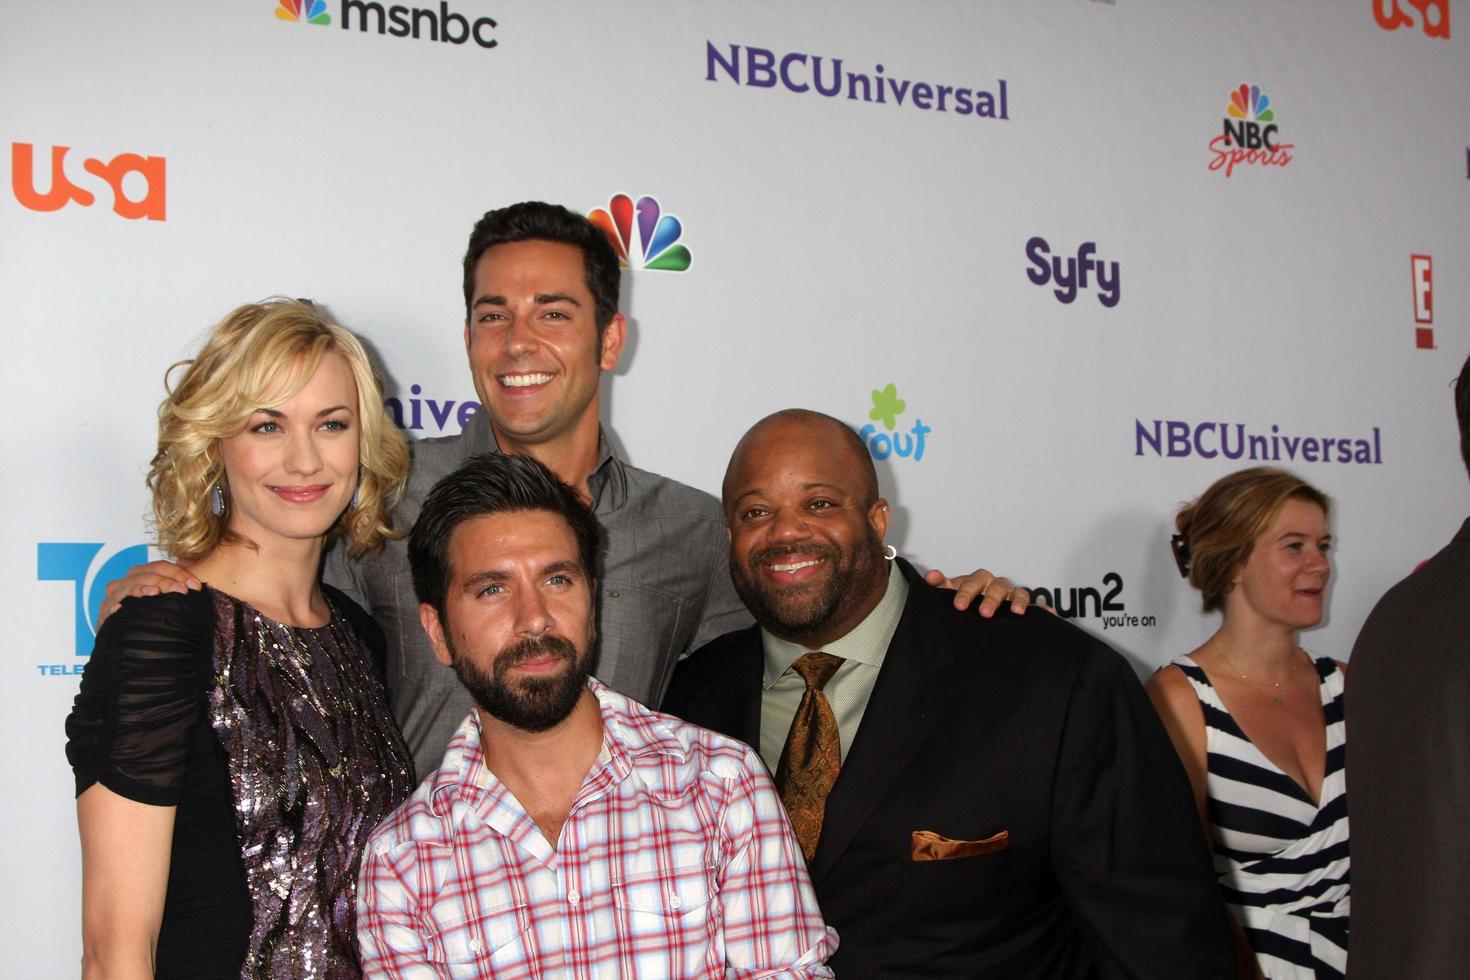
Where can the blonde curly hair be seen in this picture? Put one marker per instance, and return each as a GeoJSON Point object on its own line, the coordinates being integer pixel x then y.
{"type": "Point", "coordinates": [260, 356]}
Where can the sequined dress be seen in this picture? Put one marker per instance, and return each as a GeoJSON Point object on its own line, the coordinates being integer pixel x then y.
{"type": "Point", "coordinates": [277, 748]}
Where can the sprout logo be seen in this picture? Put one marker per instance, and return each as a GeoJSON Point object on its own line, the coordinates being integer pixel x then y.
{"type": "Point", "coordinates": [887, 407]}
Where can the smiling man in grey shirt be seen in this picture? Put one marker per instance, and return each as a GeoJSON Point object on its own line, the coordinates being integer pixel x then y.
{"type": "Point", "coordinates": [541, 325]}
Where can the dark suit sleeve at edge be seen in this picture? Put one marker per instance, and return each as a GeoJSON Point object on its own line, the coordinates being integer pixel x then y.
{"type": "Point", "coordinates": [1126, 842]}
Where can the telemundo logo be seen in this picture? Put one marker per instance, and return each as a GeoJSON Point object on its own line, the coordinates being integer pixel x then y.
{"type": "Point", "coordinates": [77, 562]}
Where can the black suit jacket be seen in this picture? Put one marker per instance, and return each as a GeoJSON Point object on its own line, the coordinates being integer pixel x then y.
{"type": "Point", "coordinates": [975, 726]}
{"type": "Point", "coordinates": [1408, 703]}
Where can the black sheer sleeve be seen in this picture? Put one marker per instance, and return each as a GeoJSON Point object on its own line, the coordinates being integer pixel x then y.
{"type": "Point", "coordinates": [141, 695]}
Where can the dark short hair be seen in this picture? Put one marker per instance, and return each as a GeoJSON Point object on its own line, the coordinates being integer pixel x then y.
{"type": "Point", "coordinates": [491, 483]}
{"type": "Point", "coordinates": [538, 221]}
{"type": "Point", "coordinates": [1462, 411]}
{"type": "Point", "coordinates": [842, 434]}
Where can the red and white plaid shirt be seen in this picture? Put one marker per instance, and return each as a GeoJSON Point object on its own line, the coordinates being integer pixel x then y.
{"type": "Point", "coordinates": [676, 860]}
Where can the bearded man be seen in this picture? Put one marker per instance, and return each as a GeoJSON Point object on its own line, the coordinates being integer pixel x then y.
{"type": "Point", "coordinates": [569, 830]}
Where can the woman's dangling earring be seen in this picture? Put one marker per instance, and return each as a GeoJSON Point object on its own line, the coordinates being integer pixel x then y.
{"type": "Point", "coordinates": [217, 501]}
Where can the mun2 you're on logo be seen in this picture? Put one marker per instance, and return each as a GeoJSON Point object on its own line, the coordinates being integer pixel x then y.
{"type": "Point", "coordinates": [1251, 134]}
{"type": "Point", "coordinates": [906, 443]}
{"type": "Point", "coordinates": [657, 244]}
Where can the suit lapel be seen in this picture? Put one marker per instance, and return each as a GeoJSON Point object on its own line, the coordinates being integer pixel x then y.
{"type": "Point", "coordinates": [729, 699]}
{"type": "Point", "coordinates": [903, 708]}
{"type": "Point", "coordinates": [750, 680]}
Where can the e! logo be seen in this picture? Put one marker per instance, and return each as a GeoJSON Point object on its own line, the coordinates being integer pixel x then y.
{"type": "Point", "coordinates": [1421, 268]}
{"type": "Point", "coordinates": [151, 205]}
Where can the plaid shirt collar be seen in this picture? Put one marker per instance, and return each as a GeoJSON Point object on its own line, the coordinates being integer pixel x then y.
{"type": "Point", "coordinates": [634, 740]}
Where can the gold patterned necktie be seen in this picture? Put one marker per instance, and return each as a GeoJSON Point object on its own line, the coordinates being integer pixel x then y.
{"type": "Point", "coordinates": [812, 755]}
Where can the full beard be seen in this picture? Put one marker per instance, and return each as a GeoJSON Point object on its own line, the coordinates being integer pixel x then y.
{"type": "Point", "coordinates": [532, 704]}
{"type": "Point", "coordinates": [798, 611]}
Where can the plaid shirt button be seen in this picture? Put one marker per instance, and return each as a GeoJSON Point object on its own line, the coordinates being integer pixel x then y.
{"type": "Point", "coordinates": [573, 897]}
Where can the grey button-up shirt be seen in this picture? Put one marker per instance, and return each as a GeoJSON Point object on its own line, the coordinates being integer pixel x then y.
{"type": "Point", "coordinates": [665, 587]}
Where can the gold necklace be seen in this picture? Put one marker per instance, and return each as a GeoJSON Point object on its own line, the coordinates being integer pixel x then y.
{"type": "Point", "coordinates": [1276, 698]}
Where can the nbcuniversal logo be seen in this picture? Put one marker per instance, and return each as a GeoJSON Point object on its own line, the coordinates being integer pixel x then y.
{"type": "Point", "coordinates": [656, 246]}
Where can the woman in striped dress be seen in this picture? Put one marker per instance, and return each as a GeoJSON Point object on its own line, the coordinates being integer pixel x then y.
{"type": "Point", "coordinates": [1258, 722]}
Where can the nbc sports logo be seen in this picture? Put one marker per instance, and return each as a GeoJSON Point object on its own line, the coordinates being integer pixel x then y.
{"type": "Point", "coordinates": [658, 234]}
{"type": "Point", "coordinates": [1251, 134]}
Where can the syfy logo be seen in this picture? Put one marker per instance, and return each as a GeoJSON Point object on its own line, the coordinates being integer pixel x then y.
{"type": "Point", "coordinates": [1073, 602]}
{"type": "Point", "coordinates": [887, 407]}
{"type": "Point", "coordinates": [72, 561]}
{"type": "Point", "coordinates": [149, 201]}
{"type": "Point", "coordinates": [1435, 16]}
{"type": "Point", "coordinates": [1421, 272]}
{"type": "Point", "coordinates": [410, 416]}
{"type": "Point", "coordinates": [398, 21]}
{"type": "Point", "coordinates": [1250, 134]}
{"type": "Point", "coordinates": [1070, 272]}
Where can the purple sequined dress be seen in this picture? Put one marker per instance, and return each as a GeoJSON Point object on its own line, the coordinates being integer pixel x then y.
{"type": "Point", "coordinates": [302, 721]}
{"type": "Point", "coordinates": [277, 749]}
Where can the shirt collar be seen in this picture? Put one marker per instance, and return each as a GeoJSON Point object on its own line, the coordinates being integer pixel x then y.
{"type": "Point", "coordinates": [630, 734]}
{"type": "Point", "coordinates": [867, 642]}
{"type": "Point", "coordinates": [608, 482]}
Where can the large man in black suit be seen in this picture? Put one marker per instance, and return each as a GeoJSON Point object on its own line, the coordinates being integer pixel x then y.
{"type": "Point", "coordinates": [1009, 805]}
{"type": "Point", "coordinates": [1409, 766]}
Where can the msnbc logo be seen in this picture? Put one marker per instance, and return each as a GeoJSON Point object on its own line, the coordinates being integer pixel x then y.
{"type": "Point", "coordinates": [1250, 134]}
{"type": "Point", "coordinates": [657, 234]}
{"type": "Point", "coordinates": [316, 13]}
{"type": "Point", "coordinates": [887, 407]}
{"type": "Point", "coordinates": [443, 25]}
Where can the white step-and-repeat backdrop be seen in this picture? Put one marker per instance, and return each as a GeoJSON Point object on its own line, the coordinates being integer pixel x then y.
{"type": "Point", "coordinates": [1063, 265]}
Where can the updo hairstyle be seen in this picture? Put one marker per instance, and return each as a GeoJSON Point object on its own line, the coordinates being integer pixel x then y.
{"type": "Point", "coordinates": [1216, 532]}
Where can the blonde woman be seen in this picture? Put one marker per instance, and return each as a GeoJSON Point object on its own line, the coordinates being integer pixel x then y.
{"type": "Point", "coordinates": [233, 746]}
{"type": "Point", "coordinates": [1258, 722]}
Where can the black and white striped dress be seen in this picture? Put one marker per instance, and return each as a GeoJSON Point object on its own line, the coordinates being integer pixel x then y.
{"type": "Point", "coordinates": [1282, 860]}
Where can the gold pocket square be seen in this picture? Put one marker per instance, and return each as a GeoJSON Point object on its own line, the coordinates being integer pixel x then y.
{"type": "Point", "coordinates": [929, 846]}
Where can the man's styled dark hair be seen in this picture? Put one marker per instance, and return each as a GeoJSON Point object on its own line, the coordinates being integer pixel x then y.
{"type": "Point", "coordinates": [538, 221]}
{"type": "Point", "coordinates": [1462, 411]}
{"type": "Point", "coordinates": [491, 483]}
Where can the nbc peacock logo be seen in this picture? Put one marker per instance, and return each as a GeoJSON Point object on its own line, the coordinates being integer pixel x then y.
{"type": "Point", "coordinates": [315, 13]}
{"type": "Point", "coordinates": [1251, 135]}
{"type": "Point", "coordinates": [657, 245]}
